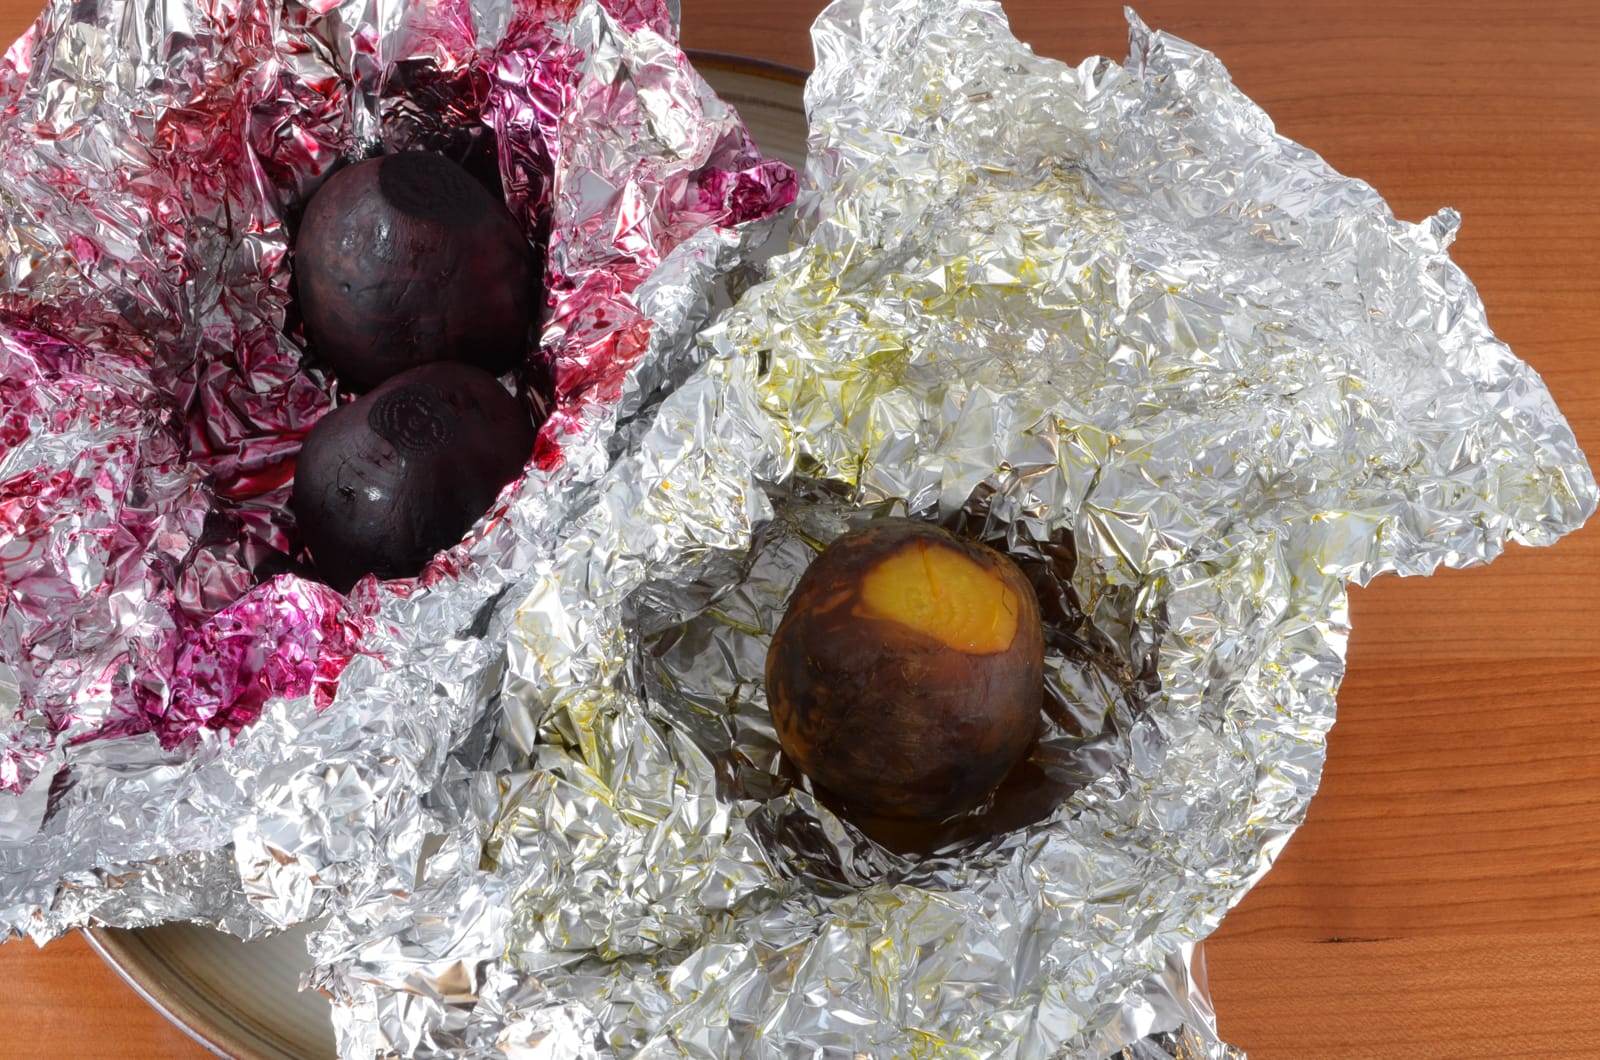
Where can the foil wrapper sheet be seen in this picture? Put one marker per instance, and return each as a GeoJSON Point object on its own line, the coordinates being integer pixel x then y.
{"type": "Point", "coordinates": [1102, 317]}
{"type": "Point", "coordinates": [187, 728]}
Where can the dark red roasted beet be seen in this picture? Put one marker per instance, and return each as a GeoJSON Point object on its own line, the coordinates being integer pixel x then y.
{"type": "Point", "coordinates": [387, 481]}
{"type": "Point", "coordinates": [405, 259]}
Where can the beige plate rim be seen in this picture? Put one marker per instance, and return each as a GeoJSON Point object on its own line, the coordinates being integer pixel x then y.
{"type": "Point", "coordinates": [142, 966]}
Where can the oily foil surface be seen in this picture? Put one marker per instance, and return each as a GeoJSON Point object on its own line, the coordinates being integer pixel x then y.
{"type": "Point", "coordinates": [1102, 317]}
{"type": "Point", "coordinates": [189, 730]}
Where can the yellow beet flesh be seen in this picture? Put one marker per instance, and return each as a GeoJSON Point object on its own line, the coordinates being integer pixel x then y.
{"type": "Point", "coordinates": [940, 593]}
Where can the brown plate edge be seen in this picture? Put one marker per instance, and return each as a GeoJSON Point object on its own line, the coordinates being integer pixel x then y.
{"type": "Point", "coordinates": [743, 64]}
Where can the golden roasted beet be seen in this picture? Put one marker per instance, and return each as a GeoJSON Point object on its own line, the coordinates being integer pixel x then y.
{"type": "Point", "coordinates": [907, 676]}
{"type": "Point", "coordinates": [387, 481]}
{"type": "Point", "coordinates": [406, 259]}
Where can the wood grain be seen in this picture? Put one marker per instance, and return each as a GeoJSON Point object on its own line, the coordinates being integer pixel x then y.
{"type": "Point", "coordinates": [1443, 899]}
{"type": "Point", "coordinates": [61, 1001]}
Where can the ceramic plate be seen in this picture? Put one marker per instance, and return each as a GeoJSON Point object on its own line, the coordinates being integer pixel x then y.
{"type": "Point", "coordinates": [240, 999]}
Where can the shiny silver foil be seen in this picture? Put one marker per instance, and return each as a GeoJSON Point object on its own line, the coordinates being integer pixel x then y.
{"type": "Point", "coordinates": [1101, 317]}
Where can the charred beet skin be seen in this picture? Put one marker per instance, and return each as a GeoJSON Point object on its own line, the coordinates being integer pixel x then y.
{"type": "Point", "coordinates": [907, 675]}
{"type": "Point", "coordinates": [387, 481]}
{"type": "Point", "coordinates": [405, 259]}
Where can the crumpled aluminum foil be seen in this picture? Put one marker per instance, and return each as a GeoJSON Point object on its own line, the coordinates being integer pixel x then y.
{"type": "Point", "coordinates": [1103, 317]}
{"type": "Point", "coordinates": [170, 747]}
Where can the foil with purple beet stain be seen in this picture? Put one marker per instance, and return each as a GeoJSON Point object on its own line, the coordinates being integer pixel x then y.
{"type": "Point", "coordinates": [168, 662]}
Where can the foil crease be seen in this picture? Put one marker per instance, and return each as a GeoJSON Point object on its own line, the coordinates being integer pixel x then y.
{"type": "Point", "coordinates": [1100, 316]}
{"type": "Point", "coordinates": [188, 729]}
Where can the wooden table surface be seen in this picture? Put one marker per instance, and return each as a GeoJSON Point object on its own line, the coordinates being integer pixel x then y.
{"type": "Point", "coordinates": [1443, 898]}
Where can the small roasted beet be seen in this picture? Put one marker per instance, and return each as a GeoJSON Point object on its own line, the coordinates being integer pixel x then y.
{"type": "Point", "coordinates": [907, 675]}
{"type": "Point", "coordinates": [389, 480]}
{"type": "Point", "coordinates": [405, 259]}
